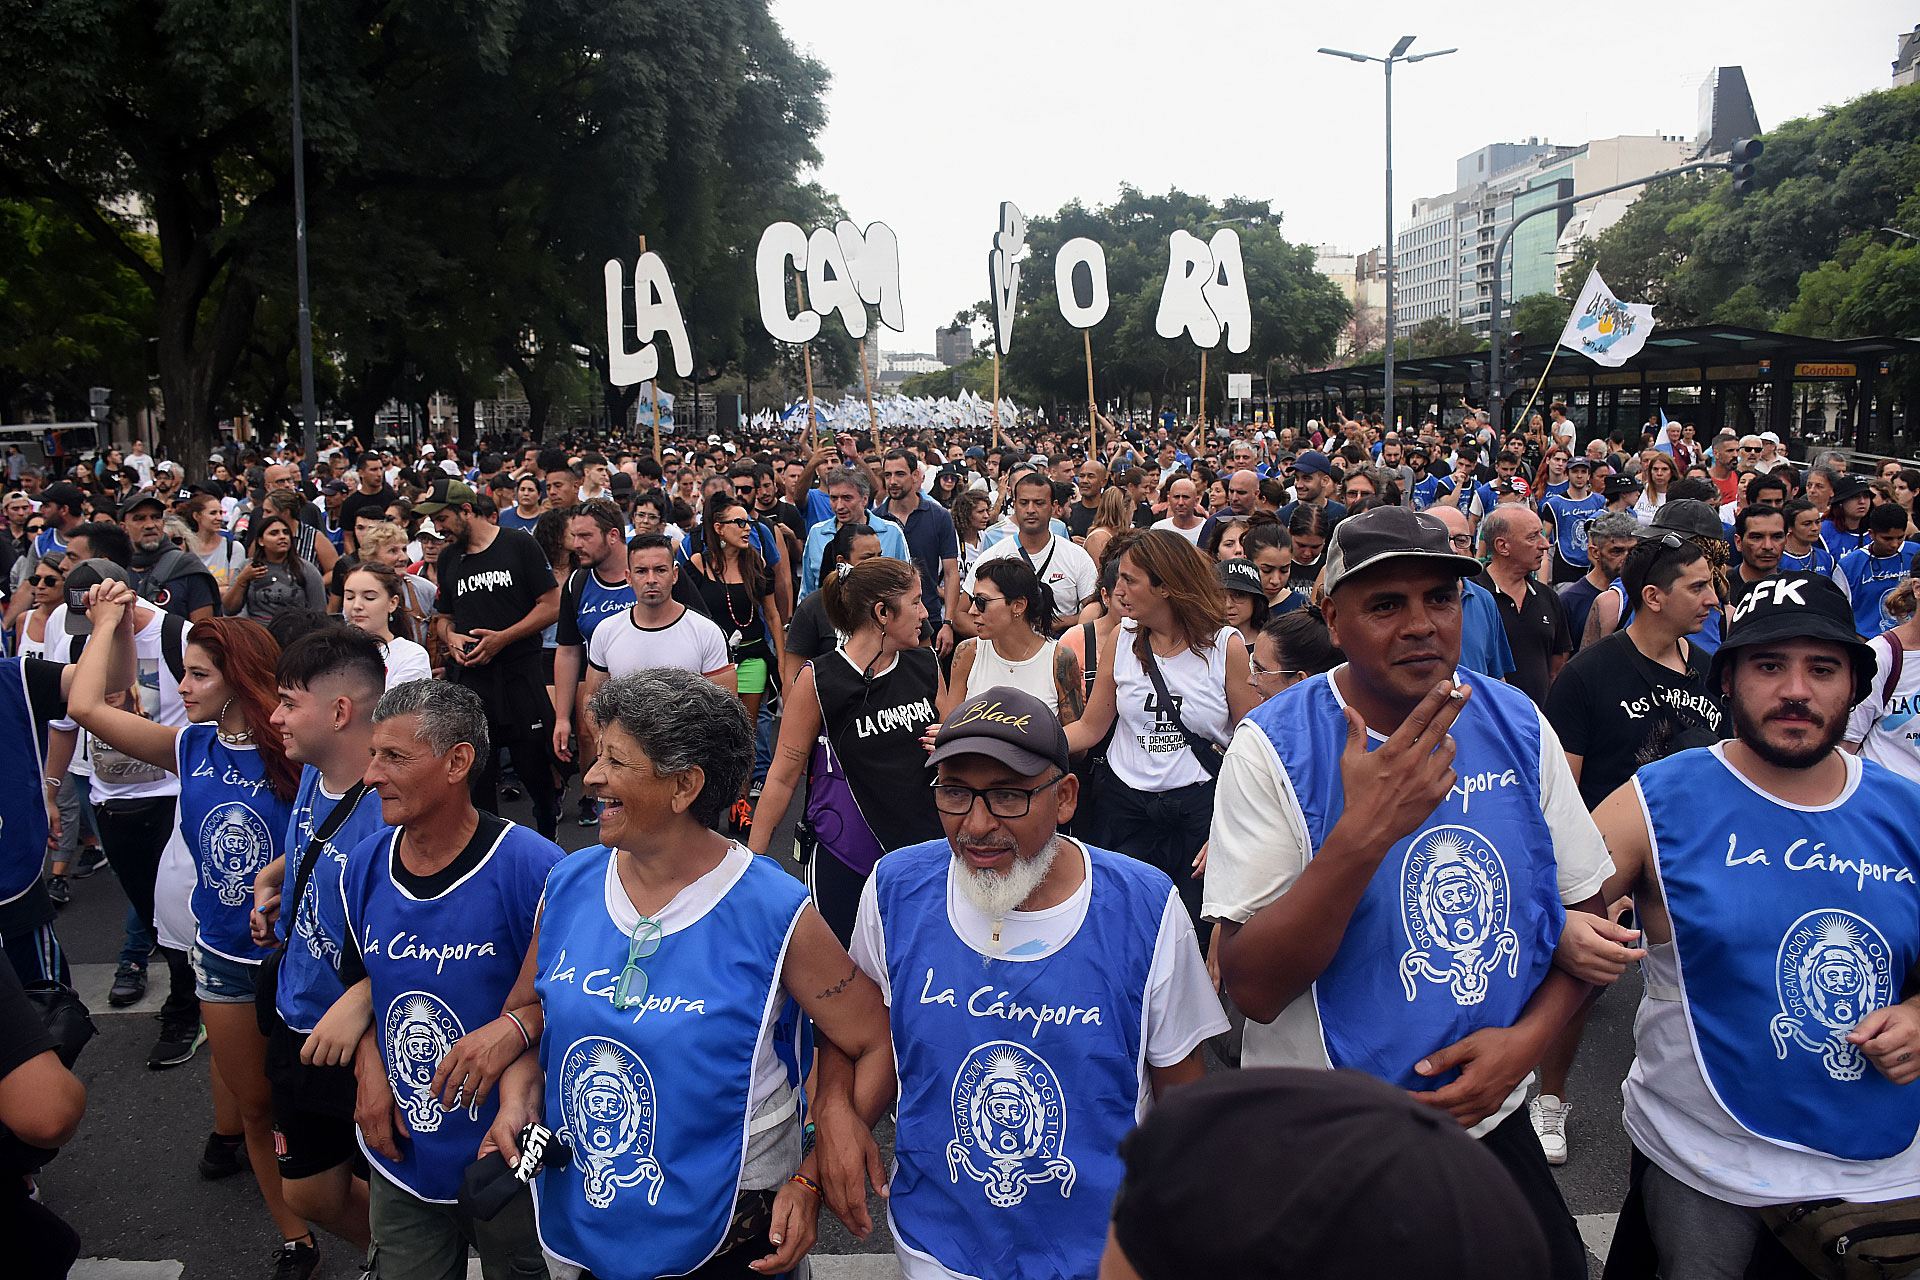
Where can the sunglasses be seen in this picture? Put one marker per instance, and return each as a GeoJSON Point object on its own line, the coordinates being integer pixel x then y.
{"type": "Point", "coordinates": [644, 941]}
{"type": "Point", "coordinates": [738, 522]}
{"type": "Point", "coordinates": [44, 580]}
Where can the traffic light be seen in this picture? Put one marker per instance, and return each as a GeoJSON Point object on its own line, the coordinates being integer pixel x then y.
{"type": "Point", "coordinates": [1516, 349]}
{"type": "Point", "coordinates": [1745, 152]}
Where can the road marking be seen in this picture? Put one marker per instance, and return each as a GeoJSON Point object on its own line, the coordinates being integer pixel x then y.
{"type": "Point", "coordinates": [93, 981]}
{"type": "Point", "coordinates": [115, 1269]}
{"type": "Point", "coordinates": [1597, 1230]}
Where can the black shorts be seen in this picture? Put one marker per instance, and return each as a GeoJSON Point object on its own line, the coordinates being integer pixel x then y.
{"type": "Point", "coordinates": [312, 1112]}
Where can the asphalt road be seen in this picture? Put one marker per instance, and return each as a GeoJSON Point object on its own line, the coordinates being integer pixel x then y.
{"type": "Point", "coordinates": [129, 1182]}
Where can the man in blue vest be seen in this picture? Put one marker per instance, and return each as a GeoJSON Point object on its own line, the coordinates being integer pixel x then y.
{"type": "Point", "coordinates": [1041, 992]}
{"type": "Point", "coordinates": [1778, 880]}
{"type": "Point", "coordinates": [1411, 936]}
{"type": "Point", "coordinates": [1882, 563]}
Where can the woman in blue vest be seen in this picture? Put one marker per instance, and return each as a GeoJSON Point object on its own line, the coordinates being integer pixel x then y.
{"type": "Point", "coordinates": [236, 793]}
{"type": "Point", "coordinates": [666, 964]}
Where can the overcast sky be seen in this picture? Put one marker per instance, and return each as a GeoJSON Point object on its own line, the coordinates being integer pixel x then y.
{"type": "Point", "coordinates": [939, 111]}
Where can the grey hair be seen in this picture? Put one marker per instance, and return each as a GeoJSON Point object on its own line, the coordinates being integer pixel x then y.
{"type": "Point", "coordinates": [847, 475]}
{"type": "Point", "coordinates": [449, 714]}
{"type": "Point", "coordinates": [1613, 526]}
{"type": "Point", "coordinates": [1494, 526]}
{"type": "Point", "coordinates": [683, 720]}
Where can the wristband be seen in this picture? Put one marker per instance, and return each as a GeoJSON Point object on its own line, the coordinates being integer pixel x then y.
{"type": "Point", "coordinates": [526, 1041]}
{"type": "Point", "coordinates": [809, 1184]}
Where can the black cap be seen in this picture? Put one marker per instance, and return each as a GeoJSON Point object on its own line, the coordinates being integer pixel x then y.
{"type": "Point", "coordinates": [65, 494]}
{"type": "Point", "coordinates": [1291, 1172]}
{"type": "Point", "coordinates": [82, 576]}
{"type": "Point", "coordinates": [446, 492]}
{"type": "Point", "coordinates": [331, 487]}
{"type": "Point", "coordinates": [620, 482]}
{"type": "Point", "coordinates": [1579, 460]}
{"type": "Point", "coordinates": [1240, 575]}
{"type": "Point", "coordinates": [1792, 606]}
{"type": "Point", "coordinates": [1619, 486]}
{"type": "Point", "coordinates": [141, 499]}
{"type": "Point", "coordinates": [1007, 725]}
{"type": "Point", "coordinates": [1688, 517]}
{"type": "Point", "coordinates": [1390, 533]}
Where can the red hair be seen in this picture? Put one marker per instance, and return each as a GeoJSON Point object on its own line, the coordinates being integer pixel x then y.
{"type": "Point", "coordinates": [245, 654]}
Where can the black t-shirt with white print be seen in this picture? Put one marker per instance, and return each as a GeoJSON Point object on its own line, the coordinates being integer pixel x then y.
{"type": "Point", "coordinates": [495, 588]}
{"type": "Point", "coordinates": [1618, 709]}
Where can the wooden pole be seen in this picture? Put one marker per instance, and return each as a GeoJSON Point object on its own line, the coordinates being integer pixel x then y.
{"type": "Point", "coordinates": [996, 394]}
{"type": "Point", "coordinates": [1203, 393]}
{"type": "Point", "coordinates": [806, 357]}
{"type": "Point", "coordinates": [872, 421]}
{"type": "Point", "coordinates": [1536, 386]}
{"type": "Point", "coordinates": [1093, 414]}
{"type": "Point", "coordinates": [654, 384]}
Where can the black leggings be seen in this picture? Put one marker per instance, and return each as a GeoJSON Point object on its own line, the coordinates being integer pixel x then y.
{"type": "Point", "coordinates": [1515, 1144]}
{"type": "Point", "coordinates": [836, 889]}
{"type": "Point", "coordinates": [134, 833]}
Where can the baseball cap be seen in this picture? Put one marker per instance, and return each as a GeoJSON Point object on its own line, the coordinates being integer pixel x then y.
{"type": "Point", "coordinates": [1007, 725]}
{"type": "Point", "coordinates": [1278, 1171]}
{"type": "Point", "coordinates": [1582, 461]}
{"type": "Point", "coordinates": [141, 499]}
{"type": "Point", "coordinates": [1688, 517]}
{"type": "Point", "coordinates": [171, 467]}
{"type": "Point", "coordinates": [64, 494]}
{"type": "Point", "coordinates": [1240, 575]}
{"type": "Point", "coordinates": [1315, 461]}
{"type": "Point", "coordinates": [620, 482]}
{"type": "Point", "coordinates": [332, 487]}
{"type": "Point", "coordinates": [976, 451]}
{"type": "Point", "coordinates": [1770, 437]}
{"type": "Point", "coordinates": [1786, 606]}
{"type": "Point", "coordinates": [445, 493]}
{"type": "Point", "coordinates": [1389, 533]}
{"type": "Point", "coordinates": [1514, 484]}
{"type": "Point", "coordinates": [1619, 486]}
{"type": "Point", "coordinates": [90, 572]}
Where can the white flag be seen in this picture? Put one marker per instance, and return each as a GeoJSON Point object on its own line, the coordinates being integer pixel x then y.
{"type": "Point", "coordinates": [1605, 329]}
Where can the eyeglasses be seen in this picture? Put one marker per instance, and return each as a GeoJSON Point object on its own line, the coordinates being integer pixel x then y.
{"type": "Point", "coordinates": [978, 604]}
{"type": "Point", "coordinates": [1002, 802]}
{"type": "Point", "coordinates": [1461, 540]}
{"type": "Point", "coordinates": [644, 941]}
{"type": "Point", "coordinates": [1260, 672]}
{"type": "Point", "coordinates": [44, 580]}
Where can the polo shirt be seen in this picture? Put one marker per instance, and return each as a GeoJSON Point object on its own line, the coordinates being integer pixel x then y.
{"type": "Point", "coordinates": [1535, 632]}
{"type": "Point", "coordinates": [930, 539]}
{"type": "Point", "coordinates": [892, 543]}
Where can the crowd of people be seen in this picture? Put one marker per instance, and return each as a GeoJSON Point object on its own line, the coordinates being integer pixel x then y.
{"type": "Point", "coordinates": [1000, 788]}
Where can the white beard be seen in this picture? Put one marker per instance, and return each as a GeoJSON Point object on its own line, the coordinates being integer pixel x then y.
{"type": "Point", "coordinates": [996, 893]}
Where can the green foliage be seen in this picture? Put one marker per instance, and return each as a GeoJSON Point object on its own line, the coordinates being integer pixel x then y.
{"type": "Point", "coordinates": [1540, 317]}
{"type": "Point", "coordinates": [1434, 336]}
{"type": "Point", "coordinates": [1297, 313]}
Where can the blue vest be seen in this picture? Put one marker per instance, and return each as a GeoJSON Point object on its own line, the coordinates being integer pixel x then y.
{"type": "Point", "coordinates": [1841, 543]}
{"type": "Point", "coordinates": [1817, 560]}
{"type": "Point", "coordinates": [441, 967]}
{"type": "Point", "coordinates": [1430, 490]}
{"type": "Point", "coordinates": [233, 824]}
{"type": "Point", "coordinates": [1017, 1078]}
{"type": "Point", "coordinates": [1789, 926]}
{"type": "Point", "coordinates": [598, 602]}
{"type": "Point", "coordinates": [1571, 516]}
{"type": "Point", "coordinates": [23, 813]}
{"type": "Point", "coordinates": [1458, 926]}
{"type": "Point", "coordinates": [653, 1101]}
{"type": "Point", "coordinates": [309, 979]}
{"type": "Point", "coordinates": [1870, 579]}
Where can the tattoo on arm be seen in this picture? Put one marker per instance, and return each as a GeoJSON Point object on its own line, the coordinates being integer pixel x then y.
{"type": "Point", "coordinates": [1071, 683]}
{"type": "Point", "coordinates": [839, 986]}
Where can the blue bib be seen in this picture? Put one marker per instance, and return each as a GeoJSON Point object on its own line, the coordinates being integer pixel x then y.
{"type": "Point", "coordinates": [440, 967]}
{"type": "Point", "coordinates": [1459, 923]}
{"type": "Point", "coordinates": [653, 1100]}
{"type": "Point", "coordinates": [1018, 1078]}
{"type": "Point", "coordinates": [233, 825]}
{"type": "Point", "coordinates": [598, 602]}
{"type": "Point", "coordinates": [1571, 516]}
{"type": "Point", "coordinates": [1429, 490]}
{"type": "Point", "coordinates": [1869, 580]}
{"type": "Point", "coordinates": [309, 979]}
{"type": "Point", "coordinates": [23, 816]}
{"type": "Point", "coordinates": [1817, 560]}
{"type": "Point", "coordinates": [1789, 926]}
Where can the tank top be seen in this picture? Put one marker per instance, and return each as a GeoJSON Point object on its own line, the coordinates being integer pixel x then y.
{"type": "Point", "coordinates": [1790, 924]}
{"type": "Point", "coordinates": [1148, 753]}
{"type": "Point", "coordinates": [233, 825]}
{"type": "Point", "coordinates": [1033, 675]}
{"type": "Point", "coordinates": [1018, 1076]}
{"type": "Point", "coordinates": [1571, 516]}
{"type": "Point", "coordinates": [654, 1101]}
{"type": "Point", "coordinates": [872, 727]}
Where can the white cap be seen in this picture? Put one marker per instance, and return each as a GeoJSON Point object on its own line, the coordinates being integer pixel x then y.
{"type": "Point", "coordinates": [426, 450]}
{"type": "Point", "coordinates": [1770, 437]}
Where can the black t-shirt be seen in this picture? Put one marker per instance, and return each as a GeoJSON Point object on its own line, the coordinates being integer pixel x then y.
{"type": "Point", "coordinates": [1737, 586]}
{"type": "Point", "coordinates": [786, 513]}
{"type": "Point", "coordinates": [1080, 519]}
{"type": "Point", "coordinates": [495, 588]}
{"type": "Point", "coordinates": [1618, 709]}
{"type": "Point", "coordinates": [351, 504]}
{"type": "Point", "coordinates": [1577, 598]}
{"type": "Point", "coordinates": [1535, 633]}
{"type": "Point", "coordinates": [810, 634]}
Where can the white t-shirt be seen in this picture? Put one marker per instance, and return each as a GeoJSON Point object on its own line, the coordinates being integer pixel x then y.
{"type": "Point", "coordinates": [1260, 846]}
{"type": "Point", "coordinates": [117, 776]}
{"type": "Point", "coordinates": [1063, 566]}
{"type": "Point", "coordinates": [1887, 728]}
{"type": "Point", "coordinates": [1148, 753]}
{"type": "Point", "coordinates": [1191, 535]}
{"type": "Point", "coordinates": [142, 463]}
{"type": "Point", "coordinates": [1181, 1007]}
{"type": "Point", "coordinates": [406, 661]}
{"type": "Point", "coordinates": [620, 646]}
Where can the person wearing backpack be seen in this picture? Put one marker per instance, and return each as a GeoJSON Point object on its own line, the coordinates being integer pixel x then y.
{"type": "Point", "coordinates": [1882, 727]}
{"type": "Point", "coordinates": [171, 577]}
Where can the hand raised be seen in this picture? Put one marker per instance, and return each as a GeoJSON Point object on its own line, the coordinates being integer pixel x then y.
{"type": "Point", "coordinates": [1392, 790]}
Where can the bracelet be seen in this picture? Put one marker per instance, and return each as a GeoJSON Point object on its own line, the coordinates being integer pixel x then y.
{"type": "Point", "coordinates": [809, 1184]}
{"type": "Point", "coordinates": [526, 1041]}
{"type": "Point", "coordinates": [54, 782]}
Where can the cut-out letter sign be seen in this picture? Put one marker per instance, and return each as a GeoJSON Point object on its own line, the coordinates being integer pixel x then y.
{"type": "Point", "coordinates": [1003, 272]}
{"type": "Point", "coordinates": [1080, 278]}
{"type": "Point", "coordinates": [1226, 290]}
{"type": "Point", "coordinates": [873, 256]}
{"type": "Point", "coordinates": [1206, 291]}
{"type": "Point", "coordinates": [655, 311]}
{"type": "Point", "coordinates": [830, 285]}
{"type": "Point", "coordinates": [781, 243]}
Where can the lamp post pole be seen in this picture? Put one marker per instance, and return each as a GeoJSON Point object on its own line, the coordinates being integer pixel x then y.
{"type": "Point", "coordinates": [307, 413]}
{"type": "Point", "coordinates": [1398, 54]}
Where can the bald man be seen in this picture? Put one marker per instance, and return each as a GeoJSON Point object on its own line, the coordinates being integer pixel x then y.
{"type": "Point", "coordinates": [1183, 510]}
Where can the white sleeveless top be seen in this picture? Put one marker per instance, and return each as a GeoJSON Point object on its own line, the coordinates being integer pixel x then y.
{"type": "Point", "coordinates": [1148, 753]}
{"type": "Point", "coordinates": [1034, 675]}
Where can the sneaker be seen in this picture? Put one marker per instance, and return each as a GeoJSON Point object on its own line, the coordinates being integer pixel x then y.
{"type": "Point", "coordinates": [92, 858]}
{"type": "Point", "coordinates": [224, 1155]}
{"type": "Point", "coordinates": [59, 892]}
{"type": "Point", "coordinates": [129, 985]}
{"type": "Point", "coordinates": [295, 1260]}
{"type": "Point", "coordinates": [179, 1037]}
{"type": "Point", "coordinates": [589, 813]}
{"type": "Point", "coordinates": [1549, 1115]}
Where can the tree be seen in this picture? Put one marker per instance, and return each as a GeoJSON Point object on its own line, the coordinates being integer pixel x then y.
{"type": "Point", "coordinates": [1540, 316]}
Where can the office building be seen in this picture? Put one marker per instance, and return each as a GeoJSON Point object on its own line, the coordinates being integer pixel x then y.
{"type": "Point", "coordinates": [953, 345]}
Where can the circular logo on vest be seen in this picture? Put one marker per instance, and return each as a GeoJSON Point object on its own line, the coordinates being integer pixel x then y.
{"type": "Point", "coordinates": [162, 596]}
{"type": "Point", "coordinates": [420, 1028]}
{"type": "Point", "coordinates": [235, 844]}
{"type": "Point", "coordinates": [607, 1113]}
{"type": "Point", "coordinates": [1009, 1123]}
{"type": "Point", "coordinates": [1834, 968]}
{"type": "Point", "coordinates": [1455, 903]}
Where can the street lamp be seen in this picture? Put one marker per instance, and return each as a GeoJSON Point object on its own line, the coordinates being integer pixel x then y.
{"type": "Point", "coordinates": [304, 314]}
{"type": "Point", "coordinates": [1897, 231]}
{"type": "Point", "coordinates": [1398, 54]}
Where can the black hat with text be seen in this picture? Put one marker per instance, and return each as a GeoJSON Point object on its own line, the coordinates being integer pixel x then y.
{"type": "Point", "coordinates": [1795, 606]}
{"type": "Point", "coordinates": [1007, 725]}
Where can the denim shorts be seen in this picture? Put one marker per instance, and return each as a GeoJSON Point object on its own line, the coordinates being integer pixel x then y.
{"type": "Point", "coordinates": [218, 980]}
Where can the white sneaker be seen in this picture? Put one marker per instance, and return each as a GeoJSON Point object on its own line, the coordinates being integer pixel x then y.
{"type": "Point", "coordinates": [1549, 1115]}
